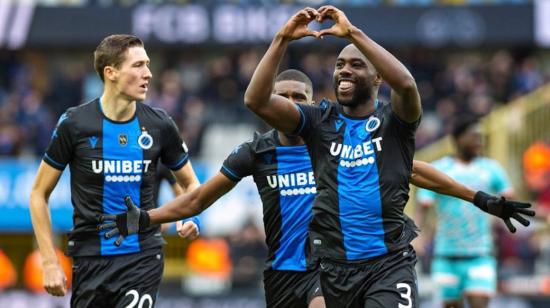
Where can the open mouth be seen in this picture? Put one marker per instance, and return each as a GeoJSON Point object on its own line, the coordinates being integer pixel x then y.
{"type": "Point", "coordinates": [144, 87]}
{"type": "Point", "coordinates": [345, 86]}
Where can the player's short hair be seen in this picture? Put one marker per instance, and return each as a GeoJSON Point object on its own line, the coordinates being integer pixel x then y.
{"type": "Point", "coordinates": [111, 51]}
{"type": "Point", "coordinates": [462, 124]}
{"type": "Point", "coordinates": [296, 75]}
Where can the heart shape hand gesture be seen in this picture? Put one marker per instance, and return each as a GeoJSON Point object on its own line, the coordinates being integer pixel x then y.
{"type": "Point", "coordinates": [297, 26]}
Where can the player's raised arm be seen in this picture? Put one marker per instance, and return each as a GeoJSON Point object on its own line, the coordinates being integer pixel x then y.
{"type": "Point", "coordinates": [276, 110]}
{"type": "Point", "coordinates": [405, 96]}
{"type": "Point", "coordinates": [426, 176]}
{"type": "Point", "coordinates": [44, 183]}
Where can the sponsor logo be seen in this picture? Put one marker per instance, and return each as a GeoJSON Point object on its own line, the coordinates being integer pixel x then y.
{"type": "Point", "coordinates": [292, 184]}
{"type": "Point", "coordinates": [121, 170]}
{"type": "Point", "coordinates": [358, 155]}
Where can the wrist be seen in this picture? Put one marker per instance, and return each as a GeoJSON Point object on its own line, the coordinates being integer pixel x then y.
{"type": "Point", "coordinates": [353, 32]}
{"type": "Point", "coordinates": [144, 220]}
{"type": "Point", "coordinates": [480, 200]}
{"type": "Point", "coordinates": [282, 37]}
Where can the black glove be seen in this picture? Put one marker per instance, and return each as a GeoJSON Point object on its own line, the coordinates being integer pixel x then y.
{"type": "Point", "coordinates": [504, 209]}
{"type": "Point", "coordinates": [130, 222]}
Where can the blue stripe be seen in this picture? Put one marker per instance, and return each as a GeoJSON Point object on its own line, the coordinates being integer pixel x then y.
{"type": "Point", "coordinates": [231, 174]}
{"type": "Point", "coordinates": [119, 183]}
{"type": "Point", "coordinates": [359, 194]}
{"type": "Point", "coordinates": [296, 194]}
{"type": "Point", "coordinates": [50, 160]}
{"type": "Point", "coordinates": [179, 164]}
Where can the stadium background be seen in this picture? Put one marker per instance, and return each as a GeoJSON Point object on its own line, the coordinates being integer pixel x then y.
{"type": "Point", "coordinates": [489, 58]}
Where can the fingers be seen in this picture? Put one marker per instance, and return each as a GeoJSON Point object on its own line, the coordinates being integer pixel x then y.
{"type": "Point", "coordinates": [509, 225]}
{"type": "Point", "coordinates": [106, 226]}
{"type": "Point", "coordinates": [521, 220]}
{"type": "Point", "coordinates": [119, 240]}
{"type": "Point", "coordinates": [55, 282]}
{"type": "Point", "coordinates": [129, 203]}
{"type": "Point", "coordinates": [526, 212]}
{"type": "Point", "coordinates": [112, 233]}
{"type": "Point", "coordinates": [189, 230]}
{"type": "Point", "coordinates": [329, 31]}
{"type": "Point", "coordinates": [103, 218]}
{"type": "Point", "coordinates": [326, 11]}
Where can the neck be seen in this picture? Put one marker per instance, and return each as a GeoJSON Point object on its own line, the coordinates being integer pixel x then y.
{"type": "Point", "coordinates": [465, 158]}
{"type": "Point", "coordinates": [360, 110]}
{"type": "Point", "coordinates": [289, 140]}
{"type": "Point", "coordinates": [117, 108]}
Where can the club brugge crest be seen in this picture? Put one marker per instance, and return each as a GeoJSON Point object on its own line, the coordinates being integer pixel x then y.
{"type": "Point", "coordinates": [123, 139]}
{"type": "Point", "coordinates": [372, 124]}
{"type": "Point", "coordinates": [145, 140]}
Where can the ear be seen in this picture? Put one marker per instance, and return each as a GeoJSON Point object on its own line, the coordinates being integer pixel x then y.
{"type": "Point", "coordinates": [110, 73]}
{"type": "Point", "coordinates": [378, 80]}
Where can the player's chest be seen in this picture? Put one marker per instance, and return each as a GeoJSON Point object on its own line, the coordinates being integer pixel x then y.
{"type": "Point", "coordinates": [283, 169]}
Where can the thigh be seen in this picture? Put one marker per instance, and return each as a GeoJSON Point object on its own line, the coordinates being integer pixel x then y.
{"type": "Point", "coordinates": [394, 282]}
{"type": "Point", "coordinates": [137, 283]}
{"type": "Point", "coordinates": [480, 276]}
{"type": "Point", "coordinates": [287, 288]}
{"type": "Point", "coordinates": [447, 276]}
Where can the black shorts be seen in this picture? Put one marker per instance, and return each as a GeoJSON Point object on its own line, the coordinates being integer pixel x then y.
{"type": "Point", "coordinates": [291, 289]}
{"type": "Point", "coordinates": [385, 281]}
{"type": "Point", "coordinates": [117, 281]}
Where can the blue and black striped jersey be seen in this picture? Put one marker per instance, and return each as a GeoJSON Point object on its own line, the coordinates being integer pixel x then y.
{"type": "Point", "coordinates": [362, 168]}
{"type": "Point", "coordinates": [286, 185]}
{"type": "Point", "coordinates": [109, 160]}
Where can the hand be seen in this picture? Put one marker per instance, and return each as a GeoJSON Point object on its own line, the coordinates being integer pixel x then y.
{"type": "Point", "coordinates": [297, 26]}
{"type": "Point", "coordinates": [342, 26]}
{"type": "Point", "coordinates": [54, 280]}
{"type": "Point", "coordinates": [504, 209]}
{"type": "Point", "coordinates": [188, 230]}
{"type": "Point", "coordinates": [130, 222]}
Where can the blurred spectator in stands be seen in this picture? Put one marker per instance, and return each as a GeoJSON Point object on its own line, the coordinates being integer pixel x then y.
{"type": "Point", "coordinates": [248, 252]}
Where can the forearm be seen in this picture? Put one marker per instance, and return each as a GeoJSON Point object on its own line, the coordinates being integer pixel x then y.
{"type": "Point", "coordinates": [183, 206]}
{"type": "Point", "coordinates": [389, 67]}
{"type": "Point", "coordinates": [426, 176]}
{"type": "Point", "coordinates": [260, 87]}
{"type": "Point", "coordinates": [42, 227]}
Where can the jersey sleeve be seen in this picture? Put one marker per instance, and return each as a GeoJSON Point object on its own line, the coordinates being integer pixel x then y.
{"type": "Point", "coordinates": [310, 117]}
{"type": "Point", "coordinates": [239, 163]}
{"type": "Point", "coordinates": [405, 130]}
{"type": "Point", "coordinates": [499, 180]}
{"type": "Point", "coordinates": [174, 153]}
{"type": "Point", "coordinates": [60, 150]}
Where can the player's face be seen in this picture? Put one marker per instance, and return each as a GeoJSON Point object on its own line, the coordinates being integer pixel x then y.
{"type": "Point", "coordinates": [354, 77]}
{"type": "Point", "coordinates": [470, 142]}
{"type": "Point", "coordinates": [295, 91]}
{"type": "Point", "coordinates": [134, 74]}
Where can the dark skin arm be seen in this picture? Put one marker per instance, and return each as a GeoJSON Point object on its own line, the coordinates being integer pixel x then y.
{"type": "Point", "coordinates": [405, 96]}
{"type": "Point", "coordinates": [426, 176]}
{"type": "Point", "coordinates": [276, 110]}
{"type": "Point", "coordinates": [194, 202]}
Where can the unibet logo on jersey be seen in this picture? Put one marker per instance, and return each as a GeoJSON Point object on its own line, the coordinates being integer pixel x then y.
{"type": "Point", "coordinates": [290, 184]}
{"type": "Point", "coordinates": [121, 170]}
{"type": "Point", "coordinates": [354, 156]}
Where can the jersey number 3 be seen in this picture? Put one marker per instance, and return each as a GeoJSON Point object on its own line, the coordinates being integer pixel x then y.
{"type": "Point", "coordinates": [406, 295]}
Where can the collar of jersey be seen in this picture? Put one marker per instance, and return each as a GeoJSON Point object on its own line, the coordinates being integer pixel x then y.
{"type": "Point", "coordinates": [352, 118]}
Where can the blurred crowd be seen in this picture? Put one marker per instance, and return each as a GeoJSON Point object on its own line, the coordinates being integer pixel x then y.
{"type": "Point", "coordinates": [197, 87]}
{"type": "Point", "coordinates": [267, 2]}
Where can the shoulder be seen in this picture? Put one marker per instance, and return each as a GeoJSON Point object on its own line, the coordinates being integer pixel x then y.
{"type": "Point", "coordinates": [488, 162]}
{"type": "Point", "coordinates": [154, 113]}
{"type": "Point", "coordinates": [77, 114]}
{"type": "Point", "coordinates": [263, 142]}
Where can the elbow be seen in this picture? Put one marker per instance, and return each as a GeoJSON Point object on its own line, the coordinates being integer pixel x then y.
{"type": "Point", "coordinates": [250, 101]}
{"type": "Point", "coordinates": [407, 85]}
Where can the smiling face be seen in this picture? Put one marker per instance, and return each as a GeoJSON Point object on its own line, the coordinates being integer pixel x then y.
{"type": "Point", "coordinates": [355, 79]}
{"type": "Point", "coordinates": [132, 77]}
